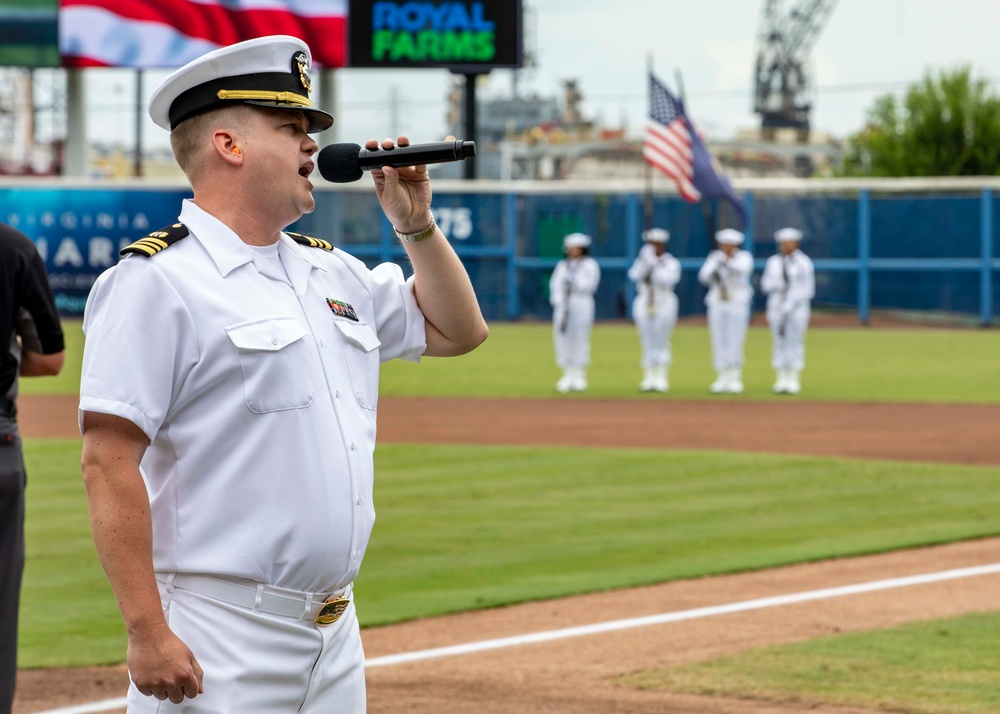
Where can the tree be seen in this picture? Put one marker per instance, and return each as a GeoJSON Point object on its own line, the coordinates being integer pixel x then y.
{"type": "Point", "coordinates": [949, 126]}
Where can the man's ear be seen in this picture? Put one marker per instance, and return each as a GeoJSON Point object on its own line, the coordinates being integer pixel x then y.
{"type": "Point", "coordinates": [227, 146]}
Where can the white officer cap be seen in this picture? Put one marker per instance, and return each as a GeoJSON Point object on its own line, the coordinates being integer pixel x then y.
{"type": "Point", "coordinates": [269, 72]}
{"type": "Point", "coordinates": [576, 240]}
{"type": "Point", "coordinates": [786, 234]}
{"type": "Point", "coordinates": [656, 235]}
{"type": "Point", "coordinates": [729, 236]}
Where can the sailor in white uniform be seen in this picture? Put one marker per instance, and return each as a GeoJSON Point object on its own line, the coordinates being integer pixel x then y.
{"type": "Point", "coordinates": [790, 284]}
{"type": "Point", "coordinates": [726, 272]}
{"type": "Point", "coordinates": [571, 293]}
{"type": "Point", "coordinates": [655, 273]}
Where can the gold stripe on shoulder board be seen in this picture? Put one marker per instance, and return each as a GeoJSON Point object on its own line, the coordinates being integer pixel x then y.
{"type": "Point", "coordinates": [156, 241]}
{"type": "Point", "coordinates": [309, 241]}
{"type": "Point", "coordinates": [150, 246]}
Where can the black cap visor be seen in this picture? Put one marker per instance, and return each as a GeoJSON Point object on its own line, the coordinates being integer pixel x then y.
{"type": "Point", "coordinates": [317, 118]}
{"type": "Point", "coordinates": [269, 90]}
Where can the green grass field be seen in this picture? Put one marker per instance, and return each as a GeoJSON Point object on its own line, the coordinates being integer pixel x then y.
{"type": "Point", "coordinates": [907, 365]}
{"type": "Point", "coordinates": [469, 527]}
{"type": "Point", "coordinates": [855, 365]}
{"type": "Point", "coordinates": [938, 667]}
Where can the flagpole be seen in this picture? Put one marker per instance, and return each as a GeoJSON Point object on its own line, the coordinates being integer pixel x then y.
{"type": "Point", "coordinates": [706, 208]}
{"type": "Point", "coordinates": [648, 203]}
{"type": "Point", "coordinates": [697, 179]}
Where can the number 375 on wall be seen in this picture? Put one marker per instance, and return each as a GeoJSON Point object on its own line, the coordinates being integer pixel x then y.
{"type": "Point", "coordinates": [456, 223]}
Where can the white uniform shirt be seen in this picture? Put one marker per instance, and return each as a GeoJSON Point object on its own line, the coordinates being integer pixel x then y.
{"type": "Point", "coordinates": [789, 281]}
{"type": "Point", "coordinates": [573, 278]}
{"type": "Point", "coordinates": [258, 392]}
{"type": "Point", "coordinates": [728, 281]}
{"type": "Point", "coordinates": [656, 274]}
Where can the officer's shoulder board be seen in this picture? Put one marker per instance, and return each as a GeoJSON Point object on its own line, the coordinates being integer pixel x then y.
{"type": "Point", "coordinates": [309, 241]}
{"type": "Point", "coordinates": [157, 241]}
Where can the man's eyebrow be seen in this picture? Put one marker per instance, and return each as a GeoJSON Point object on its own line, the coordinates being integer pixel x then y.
{"type": "Point", "coordinates": [285, 115]}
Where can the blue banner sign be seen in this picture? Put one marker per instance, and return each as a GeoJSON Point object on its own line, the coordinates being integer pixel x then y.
{"type": "Point", "coordinates": [79, 232]}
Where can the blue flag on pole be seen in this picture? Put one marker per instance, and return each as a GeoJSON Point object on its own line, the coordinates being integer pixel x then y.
{"type": "Point", "coordinates": [674, 147]}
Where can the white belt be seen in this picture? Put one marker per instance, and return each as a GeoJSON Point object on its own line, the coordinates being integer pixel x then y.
{"type": "Point", "coordinates": [323, 608]}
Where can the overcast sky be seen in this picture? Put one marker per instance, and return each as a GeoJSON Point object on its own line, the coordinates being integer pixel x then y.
{"type": "Point", "coordinates": [867, 48]}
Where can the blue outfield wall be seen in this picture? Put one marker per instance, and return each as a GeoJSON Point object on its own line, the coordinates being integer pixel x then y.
{"type": "Point", "coordinates": [926, 246]}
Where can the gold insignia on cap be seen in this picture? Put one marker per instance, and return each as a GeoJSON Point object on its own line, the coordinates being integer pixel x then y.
{"type": "Point", "coordinates": [302, 62]}
{"type": "Point", "coordinates": [264, 96]}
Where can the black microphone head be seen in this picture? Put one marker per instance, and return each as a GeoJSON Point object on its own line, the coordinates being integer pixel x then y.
{"type": "Point", "coordinates": [338, 163]}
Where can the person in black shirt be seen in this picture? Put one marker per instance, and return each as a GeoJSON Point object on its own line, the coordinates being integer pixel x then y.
{"type": "Point", "coordinates": [31, 345]}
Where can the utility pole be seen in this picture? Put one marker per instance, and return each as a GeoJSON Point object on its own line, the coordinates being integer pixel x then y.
{"type": "Point", "coordinates": [139, 111]}
{"type": "Point", "coordinates": [470, 121]}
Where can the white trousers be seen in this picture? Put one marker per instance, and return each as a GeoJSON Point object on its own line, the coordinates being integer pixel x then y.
{"type": "Point", "coordinates": [788, 339]}
{"type": "Point", "coordinates": [261, 663]}
{"type": "Point", "coordinates": [727, 325]}
{"type": "Point", "coordinates": [655, 331]}
{"type": "Point", "coordinates": [572, 332]}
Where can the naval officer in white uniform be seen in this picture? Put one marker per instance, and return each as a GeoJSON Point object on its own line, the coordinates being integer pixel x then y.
{"type": "Point", "coordinates": [229, 393]}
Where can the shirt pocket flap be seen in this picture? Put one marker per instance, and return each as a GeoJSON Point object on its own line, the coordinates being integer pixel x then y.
{"type": "Point", "coordinates": [266, 335]}
{"type": "Point", "coordinates": [359, 334]}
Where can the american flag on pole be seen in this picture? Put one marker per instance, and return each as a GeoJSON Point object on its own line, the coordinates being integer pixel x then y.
{"type": "Point", "coordinates": [668, 139]}
{"type": "Point", "coordinates": [171, 33]}
{"type": "Point", "coordinates": [674, 147]}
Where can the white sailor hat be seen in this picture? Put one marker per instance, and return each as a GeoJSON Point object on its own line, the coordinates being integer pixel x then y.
{"type": "Point", "coordinates": [786, 234]}
{"type": "Point", "coordinates": [269, 72]}
{"type": "Point", "coordinates": [656, 235]}
{"type": "Point", "coordinates": [576, 240]}
{"type": "Point", "coordinates": [729, 236]}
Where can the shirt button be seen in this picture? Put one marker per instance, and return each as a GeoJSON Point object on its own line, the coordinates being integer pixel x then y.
{"type": "Point", "coordinates": [322, 343]}
{"type": "Point", "coordinates": [354, 446]}
{"type": "Point", "coordinates": [274, 340]}
{"type": "Point", "coordinates": [359, 500]}
{"type": "Point", "coordinates": [355, 555]}
{"type": "Point", "coordinates": [337, 393]}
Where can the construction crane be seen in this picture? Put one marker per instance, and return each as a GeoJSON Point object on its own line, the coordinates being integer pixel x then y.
{"type": "Point", "coordinates": [781, 91]}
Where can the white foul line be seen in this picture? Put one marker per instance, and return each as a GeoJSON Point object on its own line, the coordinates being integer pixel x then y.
{"type": "Point", "coordinates": [613, 625]}
{"type": "Point", "coordinates": [696, 613]}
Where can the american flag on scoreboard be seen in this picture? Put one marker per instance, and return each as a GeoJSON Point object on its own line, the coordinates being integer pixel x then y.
{"type": "Point", "coordinates": [171, 33]}
{"type": "Point", "coordinates": [674, 146]}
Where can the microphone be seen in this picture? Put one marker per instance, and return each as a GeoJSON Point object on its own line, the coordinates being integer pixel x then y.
{"type": "Point", "coordinates": [343, 163]}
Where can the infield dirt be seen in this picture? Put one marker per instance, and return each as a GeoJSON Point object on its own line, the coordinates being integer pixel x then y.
{"type": "Point", "coordinates": [578, 675]}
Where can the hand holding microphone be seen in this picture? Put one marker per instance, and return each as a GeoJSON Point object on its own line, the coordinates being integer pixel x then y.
{"type": "Point", "coordinates": [404, 189]}
{"type": "Point", "coordinates": [344, 163]}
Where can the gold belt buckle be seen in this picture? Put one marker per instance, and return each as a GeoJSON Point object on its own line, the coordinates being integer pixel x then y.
{"type": "Point", "coordinates": [332, 610]}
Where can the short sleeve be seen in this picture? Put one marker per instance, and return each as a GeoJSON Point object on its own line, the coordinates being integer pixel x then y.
{"type": "Point", "coordinates": [40, 305]}
{"type": "Point", "coordinates": [140, 343]}
{"type": "Point", "coordinates": [399, 322]}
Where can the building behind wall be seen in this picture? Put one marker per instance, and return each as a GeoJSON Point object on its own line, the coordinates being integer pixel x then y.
{"type": "Point", "coordinates": [548, 138]}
